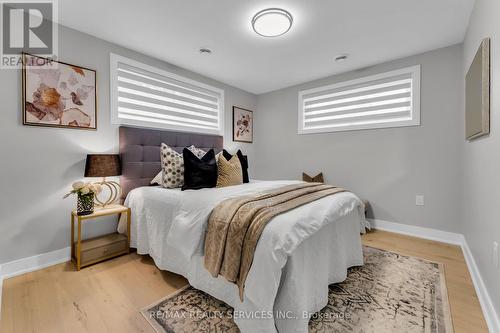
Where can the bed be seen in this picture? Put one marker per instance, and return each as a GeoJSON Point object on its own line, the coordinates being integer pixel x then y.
{"type": "Point", "coordinates": [299, 253]}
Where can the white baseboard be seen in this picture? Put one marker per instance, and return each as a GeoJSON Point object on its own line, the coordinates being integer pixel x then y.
{"type": "Point", "coordinates": [490, 315]}
{"type": "Point", "coordinates": [420, 232]}
{"type": "Point", "coordinates": [30, 264]}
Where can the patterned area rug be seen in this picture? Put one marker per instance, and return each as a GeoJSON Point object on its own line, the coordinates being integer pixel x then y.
{"type": "Point", "coordinates": [390, 293]}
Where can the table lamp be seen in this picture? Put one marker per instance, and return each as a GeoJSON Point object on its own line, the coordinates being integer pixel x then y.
{"type": "Point", "coordinates": [105, 165]}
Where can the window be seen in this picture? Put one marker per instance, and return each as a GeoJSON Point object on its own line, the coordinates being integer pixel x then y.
{"type": "Point", "coordinates": [386, 100]}
{"type": "Point", "coordinates": [142, 95]}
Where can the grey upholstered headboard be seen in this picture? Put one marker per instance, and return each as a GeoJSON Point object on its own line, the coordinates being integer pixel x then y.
{"type": "Point", "coordinates": [140, 152]}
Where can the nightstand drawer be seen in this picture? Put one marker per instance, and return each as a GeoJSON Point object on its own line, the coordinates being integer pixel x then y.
{"type": "Point", "coordinates": [99, 248]}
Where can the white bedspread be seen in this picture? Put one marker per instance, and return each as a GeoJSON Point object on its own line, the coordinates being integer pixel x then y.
{"type": "Point", "coordinates": [293, 263]}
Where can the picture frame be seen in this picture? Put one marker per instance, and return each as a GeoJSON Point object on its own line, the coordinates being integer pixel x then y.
{"type": "Point", "coordinates": [58, 94]}
{"type": "Point", "coordinates": [242, 125]}
{"type": "Point", "coordinates": [477, 94]}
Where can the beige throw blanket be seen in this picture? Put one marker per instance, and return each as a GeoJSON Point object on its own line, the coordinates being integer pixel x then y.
{"type": "Point", "coordinates": [235, 226]}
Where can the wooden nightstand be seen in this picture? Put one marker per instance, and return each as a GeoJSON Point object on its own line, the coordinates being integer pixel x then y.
{"type": "Point", "coordinates": [94, 250]}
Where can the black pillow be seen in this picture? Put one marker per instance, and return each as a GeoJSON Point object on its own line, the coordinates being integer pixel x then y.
{"type": "Point", "coordinates": [243, 161]}
{"type": "Point", "coordinates": [199, 173]}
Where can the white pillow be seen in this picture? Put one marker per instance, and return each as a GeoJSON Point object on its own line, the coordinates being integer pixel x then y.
{"type": "Point", "coordinates": [217, 156]}
{"type": "Point", "coordinates": [157, 179]}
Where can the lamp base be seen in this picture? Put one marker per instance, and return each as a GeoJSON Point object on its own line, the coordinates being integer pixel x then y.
{"type": "Point", "coordinates": [115, 191]}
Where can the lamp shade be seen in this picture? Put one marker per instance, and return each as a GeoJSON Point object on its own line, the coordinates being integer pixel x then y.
{"type": "Point", "coordinates": [103, 165]}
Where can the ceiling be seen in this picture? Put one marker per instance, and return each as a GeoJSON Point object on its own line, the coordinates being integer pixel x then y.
{"type": "Point", "coordinates": [369, 31]}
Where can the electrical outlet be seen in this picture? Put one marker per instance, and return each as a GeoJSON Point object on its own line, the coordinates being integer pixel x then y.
{"type": "Point", "coordinates": [419, 200]}
{"type": "Point", "coordinates": [495, 255]}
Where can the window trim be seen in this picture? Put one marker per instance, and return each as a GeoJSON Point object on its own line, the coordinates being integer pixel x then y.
{"type": "Point", "coordinates": [416, 78]}
{"type": "Point", "coordinates": [114, 59]}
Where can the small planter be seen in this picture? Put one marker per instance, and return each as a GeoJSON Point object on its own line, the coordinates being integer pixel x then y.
{"type": "Point", "coordinates": [85, 204]}
{"type": "Point", "coordinates": [86, 193]}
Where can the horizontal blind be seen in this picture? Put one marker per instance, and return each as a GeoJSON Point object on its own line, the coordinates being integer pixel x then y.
{"type": "Point", "coordinates": [385, 100]}
{"type": "Point", "coordinates": [155, 98]}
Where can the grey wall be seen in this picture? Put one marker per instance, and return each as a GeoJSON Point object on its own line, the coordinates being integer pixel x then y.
{"type": "Point", "coordinates": [482, 157]}
{"type": "Point", "coordinates": [388, 167]}
{"type": "Point", "coordinates": [39, 164]}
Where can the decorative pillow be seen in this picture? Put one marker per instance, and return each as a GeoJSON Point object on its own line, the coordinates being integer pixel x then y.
{"type": "Point", "coordinates": [197, 151]}
{"type": "Point", "coordinates": [172, 165]}
{"type": "Point", "coordinates": [199, 173]}
{"type": "Point", "coordinates": [229, 172]}
{"type": "Point", "coordinates": [316, 179]}
{"type": "Point", "coordinates": [244, 163]}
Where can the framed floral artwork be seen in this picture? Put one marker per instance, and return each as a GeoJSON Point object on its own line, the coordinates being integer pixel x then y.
{"type": "Point", "coordinates": [57, 94]}
{"type": "Point", "coordinates": [242, 125]}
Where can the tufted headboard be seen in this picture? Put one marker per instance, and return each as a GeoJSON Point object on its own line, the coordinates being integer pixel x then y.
{"type": "Point", "coordinates": [140, 152]}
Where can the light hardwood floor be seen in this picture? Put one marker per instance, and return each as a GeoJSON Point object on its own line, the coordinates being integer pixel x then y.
{"type": "Point", "coordinates": [107, 297]}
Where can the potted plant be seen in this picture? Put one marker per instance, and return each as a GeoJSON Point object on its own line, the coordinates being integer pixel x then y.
{"type": "Point", "coordinates": [85, 196]}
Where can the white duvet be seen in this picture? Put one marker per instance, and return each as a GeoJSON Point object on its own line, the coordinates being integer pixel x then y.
{"type": "Point", "coordinates": [298, 255]}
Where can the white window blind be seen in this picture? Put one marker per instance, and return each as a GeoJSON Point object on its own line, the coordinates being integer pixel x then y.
{"type": "Point", "coordinates": [390, 99]}
{"type": "Point", "coordinates": [142, 95]}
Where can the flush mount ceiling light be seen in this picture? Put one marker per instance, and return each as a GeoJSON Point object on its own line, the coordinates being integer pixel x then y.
{"type": "Point", "coordinates": [272, 22]}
